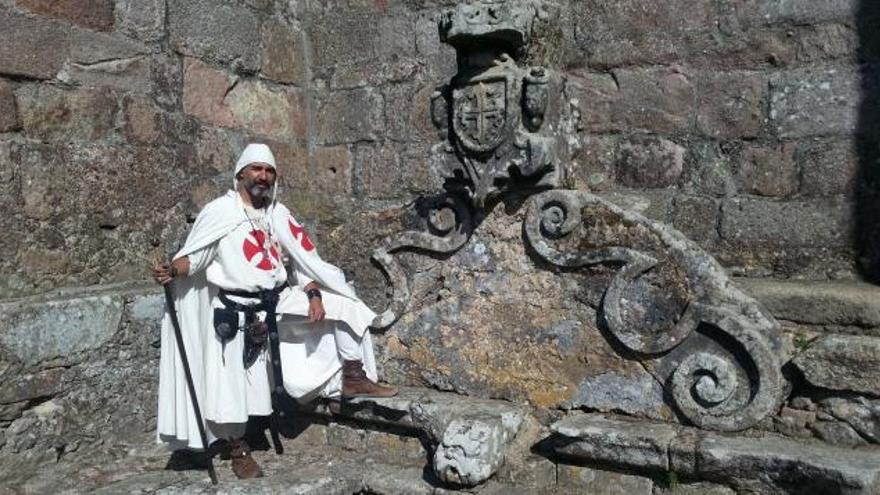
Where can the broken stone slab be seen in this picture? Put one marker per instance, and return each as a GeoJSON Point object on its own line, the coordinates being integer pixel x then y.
{"type": "Point", "coordinates": [588, 480]}
{"type": "Point", "coordinates": [818, 302]}
{"type": "Point", "coordinates": [38, 330]}
{"type": "Point", "coordinates": [775, 465]}
{"type": "Point", "coordinates": [765, 465]}
{"type": "Point", "coordinates": [843, 362]}
{"type": "Point", "coordinates": [630, 445]}
{"type": "Point", "coordinates": [471, 436]}
{"type": "Point", "coordinates": [861, 414]}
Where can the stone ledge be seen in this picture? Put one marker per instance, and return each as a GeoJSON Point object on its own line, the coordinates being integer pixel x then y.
{"type": "Point", "coordinates": [842, 362]}
{"type": "Point", "coordinates": [56, 328]}
{"type": "Point", "coordinates": [68, 293]}
{"type": "Point", "coordinates": [765, 465]}
{"type": "Point", "coordinates": [817, 302]}
{"type": "Point", "coordinates": [471, 437]}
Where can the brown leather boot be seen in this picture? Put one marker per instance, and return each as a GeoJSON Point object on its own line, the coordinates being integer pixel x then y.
{"type": "Point", "coordinates": [356, 384]}
{"type": "Point", "coordinates": [243, 465]}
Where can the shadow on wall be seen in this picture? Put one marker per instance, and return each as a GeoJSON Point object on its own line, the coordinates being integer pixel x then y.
{"type": "Point", "coordinates": [867, 204]}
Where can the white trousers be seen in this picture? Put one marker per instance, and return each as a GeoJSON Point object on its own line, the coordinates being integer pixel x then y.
{"type": "Point", "coordinates": [311, 355]}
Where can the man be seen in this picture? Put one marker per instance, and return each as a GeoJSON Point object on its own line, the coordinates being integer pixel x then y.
{"type": "Point", "coordinates": [231, 287]}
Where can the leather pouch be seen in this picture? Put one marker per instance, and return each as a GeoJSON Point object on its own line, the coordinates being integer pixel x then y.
{"type": "Point", "coordinates": [225, 324]}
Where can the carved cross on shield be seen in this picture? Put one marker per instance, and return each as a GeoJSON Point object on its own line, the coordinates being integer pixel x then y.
{"type": "Point", "coordinates": [480, 114]}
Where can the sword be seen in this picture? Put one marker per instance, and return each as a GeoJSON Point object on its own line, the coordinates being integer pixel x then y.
{"type": "Point", "coordinates": [169, 300]}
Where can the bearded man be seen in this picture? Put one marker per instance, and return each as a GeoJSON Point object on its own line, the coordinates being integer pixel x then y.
{"type": "Point", "coordinates": [232, 290]}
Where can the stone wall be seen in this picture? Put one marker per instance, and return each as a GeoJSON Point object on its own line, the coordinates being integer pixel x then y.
{"type": "Point", "coordinates": [746, 125]}
{"type": "Point", "coordinates": [735, 122]}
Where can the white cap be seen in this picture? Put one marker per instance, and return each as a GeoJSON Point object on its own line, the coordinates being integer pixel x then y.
{"type": "Point", "coordinates": [254, 153]}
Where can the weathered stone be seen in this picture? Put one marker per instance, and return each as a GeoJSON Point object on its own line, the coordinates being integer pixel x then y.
{"type": "Point", "coordinates": [654, 100]}
{"type": "Point", "coordinates": [767, 171]}
{"type": "Point", "coordinates": [754, 222]}
{"type": "Point", "coordinates": [263, 111]}
{"type": "Point", "coordinates": [649, 162]}
{"type": "Point", "coordinates": [131, 74]}
{"type": "Point", "coordinates": [218, 148]}
{"type": "Point", "coordinates": [702, 488]}
{"type": "Point", "coordinates": [827, 168]}
{"type": "Point", "coordinates": [629, 444]}
{"type": "Point", "coordinates": [812, 102]}
{"type": "Point", "coordinates": [472, 436]}
{"type": "Point", "coordinates": [528, 471]}
{"type": "Point", "coordinates": [822, 42]}
{"type": "Point", "coordinates": [843, 362]}
{"type": "Point", "coordinates": [771, 464]}
{"type": "Point", "coordinates": [589, 480]}
{"type": "Point", "coordinates": [333, 169]}
{"type": "Point", "coordinates": [594, 163]}
{"type": "Point", "coordinates": [141, 19]}
{"type": "Point", "coordinates": [291, 159]}
{"type": "Point", "coordinates": [32, 386]}
{"type": "Point", "coordinates": [709, 169]}
{"type": "Point", "coordinates": [765, 465]}
{"type": "Point", "coordinates": [837, 433]}
{"type": "Point", "coordinates": [32, 47]}
{"type": "Point", "coordinates": [731, 104]}
{"type": "Point", "coordinates": [204, 93]}
{"type": "Point", "coordinates": [794, 422]}
{"type": "Point", "coordinates": [407, 113]}
{"type": "Point", "coordinates": [9, 120]}
{"type": "Point", "coordinates": [8, 172]}
{"type": "Point", "coordinates": [147, 308]}
{"type": "Point", "coordinates": [636, 32]}
{"type": "Point", "coordinates": [863, 415]}
{"type": "Point", "coordinates": [284, 57]}
{"type": "Point", "coordinates": [51, 113]}
{"type": "Point", "coordinates": [232, 37]}
{"type": "Point", "coordinates": [343, 40]}
{"type": "Point", "coordinates": [380, 171]}
{"type": "Point", "coordinates": [91, 48]}
{"type": "Point", "coordinates": [349, 116]}
{"type": "Point", "coordinates": [632, 393]}
{"type": "Point", "coordinates": [655, 205]}
{"type": "Point", "coordinates": [384, 478]}
{"type": "Point", "coordinates": [59, 329]}
{"type": "Point", "coordinates": [798, 13]}
{"type": "Point", "coordinates": [141, 120]}
{"type": "Point", "coordinates": [818, 302]}
{"type": "Point", "coordinates": [92, 14]}
{"type": "Point", "coordinates": [696, 217]}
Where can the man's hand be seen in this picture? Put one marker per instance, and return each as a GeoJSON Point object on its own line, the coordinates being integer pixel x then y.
{"type": "Point", "coordinates": [162, 273]}
{"type": "Point", "coordinates": [165, 272]}
{"type": "Point", "coordinates": [316, 310]}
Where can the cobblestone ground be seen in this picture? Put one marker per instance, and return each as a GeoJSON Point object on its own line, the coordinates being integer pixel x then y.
{"type": "Point", "coordinates": [150, 468]}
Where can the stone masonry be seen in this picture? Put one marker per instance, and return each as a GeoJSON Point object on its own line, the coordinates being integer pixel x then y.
{"type": "Point", "coordinates": [750, 127]}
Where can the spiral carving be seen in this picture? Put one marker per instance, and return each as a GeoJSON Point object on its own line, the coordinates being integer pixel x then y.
{"type": "Point", "coordinates": [666, 289]}
{"type": "Point", "coordinates": [449, 228]}
{"type": "Point", "coordinates": [727, 387]}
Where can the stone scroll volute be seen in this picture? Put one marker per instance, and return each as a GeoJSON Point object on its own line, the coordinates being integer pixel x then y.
{"type": "Point", "coordinates": [514, 288]}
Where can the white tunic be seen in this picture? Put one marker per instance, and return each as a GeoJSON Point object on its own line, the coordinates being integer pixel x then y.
{"type": "Point", "coordinates": [231, 249]}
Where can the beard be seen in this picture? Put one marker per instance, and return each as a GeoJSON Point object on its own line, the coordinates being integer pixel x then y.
{"type": "Point", "coordinates": [259, 191]}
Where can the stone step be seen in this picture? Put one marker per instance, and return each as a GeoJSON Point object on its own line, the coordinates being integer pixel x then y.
{"type": "Point", "coordinates": [471, 437]}
{"type": "Point", "coordinates": [817, 302]}
{"type": "Point", "coordinates": [764, 465]}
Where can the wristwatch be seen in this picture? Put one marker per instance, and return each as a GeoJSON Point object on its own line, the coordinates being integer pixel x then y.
{"type": "Point", "coordinates": [312, 293]}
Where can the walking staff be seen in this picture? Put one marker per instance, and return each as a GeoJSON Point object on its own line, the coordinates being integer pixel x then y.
{"type": "Point", "coordinates": [172, 312]}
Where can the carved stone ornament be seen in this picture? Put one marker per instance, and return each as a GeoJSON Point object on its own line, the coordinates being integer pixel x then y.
{"type": "Point", "coordinates": [665, 303]}
{"type": "Point", "coordinates": [671, 305]}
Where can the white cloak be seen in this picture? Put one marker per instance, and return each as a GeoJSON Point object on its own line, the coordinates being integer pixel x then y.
{"type": "Point", "coordinates": [310, 362]}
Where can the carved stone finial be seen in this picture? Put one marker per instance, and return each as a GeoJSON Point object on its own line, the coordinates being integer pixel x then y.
{"type": "Point", "coordinates": [504, 22]}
